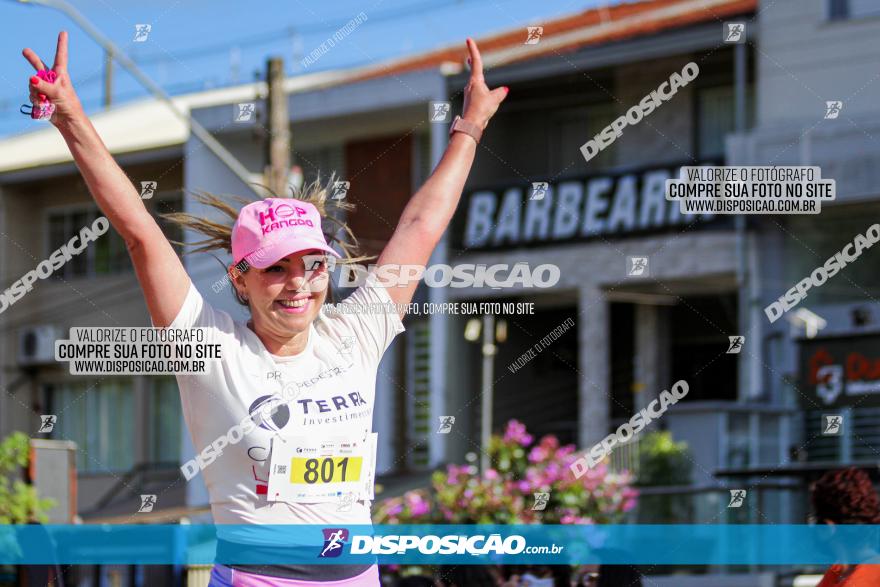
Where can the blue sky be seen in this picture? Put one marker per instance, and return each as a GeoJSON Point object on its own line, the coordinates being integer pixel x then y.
{"type": "Point", "coordinates": [192, 44]}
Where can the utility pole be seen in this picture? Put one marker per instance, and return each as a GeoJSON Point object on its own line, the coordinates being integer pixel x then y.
{"type": "Point", "coordinates": [493, 332]}
{"type": "Point", "coordinates": [488, 351]}
{"type": "Point", "coordinates": [278, 144]}
{"type": "Point", "coordinates": [108, 79]}
{"type": "Point", "coordinates": [234, 64]}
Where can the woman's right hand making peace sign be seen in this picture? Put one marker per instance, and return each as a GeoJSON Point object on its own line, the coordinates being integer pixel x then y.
{"type": "Point", "coordinates": [159, 270]}
{"type": "Point", "coordinates": [60, 93]}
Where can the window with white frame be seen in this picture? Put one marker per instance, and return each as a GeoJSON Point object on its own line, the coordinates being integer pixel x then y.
{"type": "Point", "coordinates": [716, 118]}
{"type": "Point", "coordinates": [99, 418]}
{"type": "Point", "coordinates": [574, 127]}
{"type": "Point", "coordinates": [846, 9]}
{"type": "Point", "coordinates": [320, 163]}
{"type": "Point", "coordinates": [107, 255]}
{"type": "Point", "coordinates": [165, 420]}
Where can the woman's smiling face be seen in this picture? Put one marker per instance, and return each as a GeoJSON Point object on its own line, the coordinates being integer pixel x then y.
{"type": "Point", "coordinates": [286, 297]}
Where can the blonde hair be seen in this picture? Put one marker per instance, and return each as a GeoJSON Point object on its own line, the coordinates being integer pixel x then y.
{"type": "Point", "coordinates": [218, 235]}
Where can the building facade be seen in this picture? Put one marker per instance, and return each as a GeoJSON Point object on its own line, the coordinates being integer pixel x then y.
{"type": "Point", "coordinates": [654, 296]}
{"type": "Point", "coordinates": [816, 105]}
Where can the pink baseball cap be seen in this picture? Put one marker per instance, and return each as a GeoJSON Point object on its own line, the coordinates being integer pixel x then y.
{"type": "Point", "coordinates": [271, 229]}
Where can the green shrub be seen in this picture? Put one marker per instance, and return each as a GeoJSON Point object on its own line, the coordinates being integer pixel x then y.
{"type": "Point", "coordinates": [662, 461]}
{"type": "Point", "coordinates": [19, 503]}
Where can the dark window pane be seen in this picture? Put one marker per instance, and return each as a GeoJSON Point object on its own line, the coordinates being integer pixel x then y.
{"type": "Point", "coordinates": [120, 260]}
{"type": "Point", "coordinates": [57, 237]}
{"type": "Point", "coordinates": [102, 254]}
{"type": "Point", "coordinates": [79, 265]}
{"type": "Point", "coordinates": [839, 9]}
{"type": "Point", "coordinates": [168, 204]}
{"type": "Point", "coordinates": [811, 241]}
{"type": "Point", "coordinates": [862, 8]}
{"type": "Point", "coordinates": [166, 420]}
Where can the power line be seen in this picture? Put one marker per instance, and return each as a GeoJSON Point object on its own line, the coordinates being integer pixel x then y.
{"type": "Point", "coordinates": [186, 87]}
{"type": "Point", "coordinates": [289, 31]}
{"type": "Point", "coordinates": [209, 50]}
{"type": "Point", "coordinates": [255, 40]}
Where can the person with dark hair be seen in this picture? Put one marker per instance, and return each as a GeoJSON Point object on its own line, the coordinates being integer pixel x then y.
{"type": "Point", "coordinates": [618, 576]}
{"type": "Point", "coordinates": [562, 575]}
{"type": "Point", "coordinates": [608, 575]}
{"type": "Point", "coordinates": [847, 496]}
{"type": "Point", "coordinates": [415, 581]}
{"type": "Point", "coordinates": [47, 574]}
{"type": "Point", "coordinates": [464, 576]}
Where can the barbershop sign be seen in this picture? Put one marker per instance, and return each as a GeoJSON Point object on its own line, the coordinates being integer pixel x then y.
{"type": "Point", "coordinates": [570, 209]}
{"type": "Point", "coordinates": [840, 371]}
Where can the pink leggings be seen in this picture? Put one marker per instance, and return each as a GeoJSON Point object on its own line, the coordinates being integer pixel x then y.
{"type": "Point", "coordinates": [223, 576]}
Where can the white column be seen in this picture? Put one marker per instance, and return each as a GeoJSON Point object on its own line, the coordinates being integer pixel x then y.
{"type": "Point", "coordinates": [652, 357]}
{"type": "Point", "coordinates": [594, 352]}
{"type": "Point", "coordinates": [750, 360]}
{"type": "Point", "coordinates": [384, 411]}
{"type": "Point", "coordinates": [141, 394]}
{"type": "Point", "coordinates": [437, 448]}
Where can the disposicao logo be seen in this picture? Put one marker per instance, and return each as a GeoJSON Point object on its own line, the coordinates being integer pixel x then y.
{"type": "Point", "coordinates": [334, 542]}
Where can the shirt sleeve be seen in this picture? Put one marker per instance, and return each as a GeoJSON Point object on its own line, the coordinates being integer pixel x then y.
{"type": "Point", "coordinates": [372, 317]}
{"type": "Point", "coordinates": [197, 313]}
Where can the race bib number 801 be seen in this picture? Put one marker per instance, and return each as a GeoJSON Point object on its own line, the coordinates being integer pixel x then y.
{"type": "Point", "coordinates": [325, 470]}
{"type": "Point", "coordinates": [322, 469]}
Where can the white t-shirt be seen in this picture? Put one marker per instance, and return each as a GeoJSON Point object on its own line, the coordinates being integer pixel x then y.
{"type": "Point", "coordinates": [335, 378]}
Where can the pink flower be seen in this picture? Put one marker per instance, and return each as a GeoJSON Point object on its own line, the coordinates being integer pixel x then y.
{"type": "Point", "coordinates": [516, 432]}
{"type": "Point", "coordinates": [550, 442]}
{"type": "Point", "coordinates": [563, 452]}
{"type": "Point", "coordinates": [463, 494]}
{"type": "Point", "coordinates": [420, 509]}
{"type": "Point", "coordinates": [418, 506]}
{"type": "Point", "coordinates": [453, 472]}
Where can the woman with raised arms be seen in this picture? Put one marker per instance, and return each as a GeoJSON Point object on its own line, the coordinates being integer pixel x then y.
{"type": "Point", "coordinates": [329, 359]}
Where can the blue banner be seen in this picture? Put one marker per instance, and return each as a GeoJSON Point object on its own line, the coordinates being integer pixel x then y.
{"type": "Point", "coordinates": [439, 544]}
